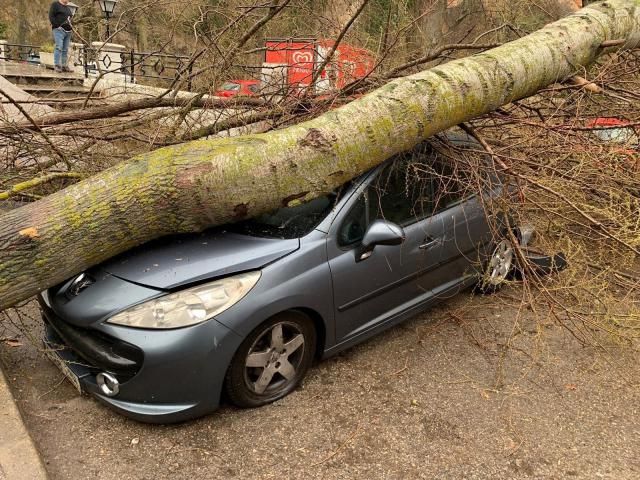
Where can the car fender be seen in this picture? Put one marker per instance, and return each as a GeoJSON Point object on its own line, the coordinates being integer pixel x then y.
{"type": "Point", "coordinates": [301, 281]}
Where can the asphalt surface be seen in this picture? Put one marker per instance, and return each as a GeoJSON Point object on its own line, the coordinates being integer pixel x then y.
{"type": "Point", "coordinates": [476, 388]}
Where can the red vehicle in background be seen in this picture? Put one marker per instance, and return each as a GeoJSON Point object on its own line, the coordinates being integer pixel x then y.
{"type": "Point", "coordinates": [233, 88]}
{"type": "Point", "coordinates": [614, 130]}
{"type": "Point", "coordinates": [290, 65]}
{"type": "Point", "coordinates": [621, 135]}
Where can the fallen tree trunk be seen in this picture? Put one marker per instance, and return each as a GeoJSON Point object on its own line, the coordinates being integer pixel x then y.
{"type": "Point", "coordinates": [193, 186]}
{"type": "Point", "coordinates": [115, 109]}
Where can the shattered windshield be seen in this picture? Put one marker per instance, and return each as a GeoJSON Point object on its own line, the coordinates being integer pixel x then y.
{"type": "Point", "coordinates": [288, 222]}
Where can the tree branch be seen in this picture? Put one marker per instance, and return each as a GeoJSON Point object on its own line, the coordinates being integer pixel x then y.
{"type": "Point", "coordinates": [34, 182]}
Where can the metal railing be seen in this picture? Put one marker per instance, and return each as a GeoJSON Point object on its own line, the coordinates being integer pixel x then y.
{"type": "Point", "coordinates": [17, 52]}
{"type": "Point", "coordinates": [131, 64]}
{"type": "Point", "coordinates": [136, 65]}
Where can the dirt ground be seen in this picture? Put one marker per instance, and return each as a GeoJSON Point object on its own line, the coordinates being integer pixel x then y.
{"type": "Point", "coordinates": [475, 388]}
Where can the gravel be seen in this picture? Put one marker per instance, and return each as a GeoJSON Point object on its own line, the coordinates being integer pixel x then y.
{"type": "Point", "coordinates": [479, 387]}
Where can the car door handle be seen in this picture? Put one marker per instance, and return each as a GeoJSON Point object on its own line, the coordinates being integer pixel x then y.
{"type": "Point", "coordinates": [430, 242]}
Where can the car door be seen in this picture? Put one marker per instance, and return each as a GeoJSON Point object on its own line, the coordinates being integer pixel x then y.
{"type": "Point", "coordinates": [466, 229]}
{"type": "Point", "coordinates": [392, 279]}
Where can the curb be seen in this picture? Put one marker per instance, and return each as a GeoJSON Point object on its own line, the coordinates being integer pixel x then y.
{"type": "Point", "coordinates": [19, 459]}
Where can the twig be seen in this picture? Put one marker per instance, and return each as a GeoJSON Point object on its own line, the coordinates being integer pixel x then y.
{"type": "Point", "coordinates": [120, 108]}
{"type": "Point", "coordinates": [612, 43]}
{"type": "Point", "coordinates": [341, 447]}
{"type": "Point", "coordinates": [335, 45]}
{"type": "Point", "coordinates": [37, 128]}
{"type": "Point", "coordinates": [406, 363]}
{"type": "Point", "coordinates": [467, 128]}
{"type": "Point", "coordinates": [436, 53]}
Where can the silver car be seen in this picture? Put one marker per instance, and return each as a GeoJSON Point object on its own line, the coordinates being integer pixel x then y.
{"type": "Point", "coordinates": [160, 332]}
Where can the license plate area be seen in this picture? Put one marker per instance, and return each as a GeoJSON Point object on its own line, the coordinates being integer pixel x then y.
{"type": "Point", "coordinates": [49, 351]}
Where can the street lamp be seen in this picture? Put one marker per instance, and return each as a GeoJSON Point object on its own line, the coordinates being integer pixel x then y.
{"type": "Point", "coordinates": [107, 7]}
{"type": "Point", "coordinates": [73, 7]}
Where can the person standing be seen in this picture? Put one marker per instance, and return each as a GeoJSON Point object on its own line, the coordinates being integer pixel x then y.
{"type": "Point", "coordinates": [60, 19]}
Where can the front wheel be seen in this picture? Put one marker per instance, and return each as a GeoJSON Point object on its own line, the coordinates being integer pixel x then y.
{"type": "Point", "coordinates": [272, 360]}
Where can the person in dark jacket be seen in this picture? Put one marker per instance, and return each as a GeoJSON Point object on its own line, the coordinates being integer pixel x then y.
{"type": "Point", "coordinates": [60, 19]}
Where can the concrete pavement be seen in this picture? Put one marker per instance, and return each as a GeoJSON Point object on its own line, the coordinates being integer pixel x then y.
{"type": "Point", "coordinates": [19, 459]}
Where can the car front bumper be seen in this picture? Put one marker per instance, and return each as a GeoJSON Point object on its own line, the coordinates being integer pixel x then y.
{"type": "Point", "coordinates": [164, 376]}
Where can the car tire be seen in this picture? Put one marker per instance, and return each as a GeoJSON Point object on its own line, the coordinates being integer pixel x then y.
{"type": "Point", "coordinates": [499, 267]}
{"type": "Point", "coordinates": [272, 361]}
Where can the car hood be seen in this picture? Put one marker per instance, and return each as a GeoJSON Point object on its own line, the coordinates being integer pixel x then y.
{"type": "Point", "coordinates": [179, 260]}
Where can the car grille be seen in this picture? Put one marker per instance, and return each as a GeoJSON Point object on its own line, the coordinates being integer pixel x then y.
{"type": "Point", "coordinates": [101, 351]}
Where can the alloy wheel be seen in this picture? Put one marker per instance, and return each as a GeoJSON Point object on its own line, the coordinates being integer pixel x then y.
{"type": "Point", "coordinates": [274, 359]}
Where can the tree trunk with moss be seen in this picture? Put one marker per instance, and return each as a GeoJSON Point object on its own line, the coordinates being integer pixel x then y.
{"type": "Point", "coordinates": [196, 185]}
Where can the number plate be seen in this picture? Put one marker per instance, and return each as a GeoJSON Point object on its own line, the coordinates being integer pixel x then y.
{"type": "Point", "coordinates": [63, 367]}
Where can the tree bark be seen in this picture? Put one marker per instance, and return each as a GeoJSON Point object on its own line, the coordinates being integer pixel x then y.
{"type": "Point", "coordinates": [192, 186]}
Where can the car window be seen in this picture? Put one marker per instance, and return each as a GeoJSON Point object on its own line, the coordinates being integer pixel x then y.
{"type": "Point", "coordinates": [402, 193]}
{"type": "Point", "coordinates": [288, 222]}
{"type": "Point", "coordinates": [230, 87]}
{"type": "Point", "coordinates": [253, 87]}
{"type": "Point", "coordinates": [294, 221]}
{"type": "Point", "coordinates": [451, 185]}
{"type": "Point", "coordinates": [355, 223]}
{"type": "Point", "coordinates": [414, 186]}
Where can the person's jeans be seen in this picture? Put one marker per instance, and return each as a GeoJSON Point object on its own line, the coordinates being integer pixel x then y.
{"type": "Point", "coordinates": [61, 39]}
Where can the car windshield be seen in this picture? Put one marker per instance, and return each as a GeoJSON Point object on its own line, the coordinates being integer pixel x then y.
{"type": "Point", "coordinates": [230, 87]}
{"type": "Point", "coordinates": [288, 222]}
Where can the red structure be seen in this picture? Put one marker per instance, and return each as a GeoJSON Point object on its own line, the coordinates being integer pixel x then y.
{"type": "Point", "coordinates": [289, 65]}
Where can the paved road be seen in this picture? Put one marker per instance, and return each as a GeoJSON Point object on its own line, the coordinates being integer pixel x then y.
{"type": "Point", "coordinates": [474, 389]}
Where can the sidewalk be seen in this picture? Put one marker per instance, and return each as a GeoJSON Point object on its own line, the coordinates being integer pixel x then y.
{"type": "Point", "coordinates": [19, 459]}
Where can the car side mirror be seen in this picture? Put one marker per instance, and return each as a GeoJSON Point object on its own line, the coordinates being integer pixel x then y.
{"type": "Point", "coordinates": [380, 232]}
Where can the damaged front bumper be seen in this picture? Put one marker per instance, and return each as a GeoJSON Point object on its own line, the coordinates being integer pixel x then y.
{"type": "Point", "coordinates": [161, 376]}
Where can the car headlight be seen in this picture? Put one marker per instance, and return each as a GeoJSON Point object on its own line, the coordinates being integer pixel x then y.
{"type": "Point", "coordinates": [190, 306]}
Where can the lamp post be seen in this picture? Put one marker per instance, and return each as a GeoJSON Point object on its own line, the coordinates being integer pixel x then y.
{"type": "Point", "coordinates": [107, 7]}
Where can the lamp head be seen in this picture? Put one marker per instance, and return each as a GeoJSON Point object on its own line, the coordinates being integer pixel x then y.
{"type": "Point", "coordinates": [107, 7]}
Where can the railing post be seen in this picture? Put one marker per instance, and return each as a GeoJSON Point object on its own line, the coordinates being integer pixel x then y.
{"type": "Point", "coordinates": [189, 70]}
{"type": "Point", "coordinates": [85, 60]}
{"type": "Point", "coordinates": [133, 65]}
